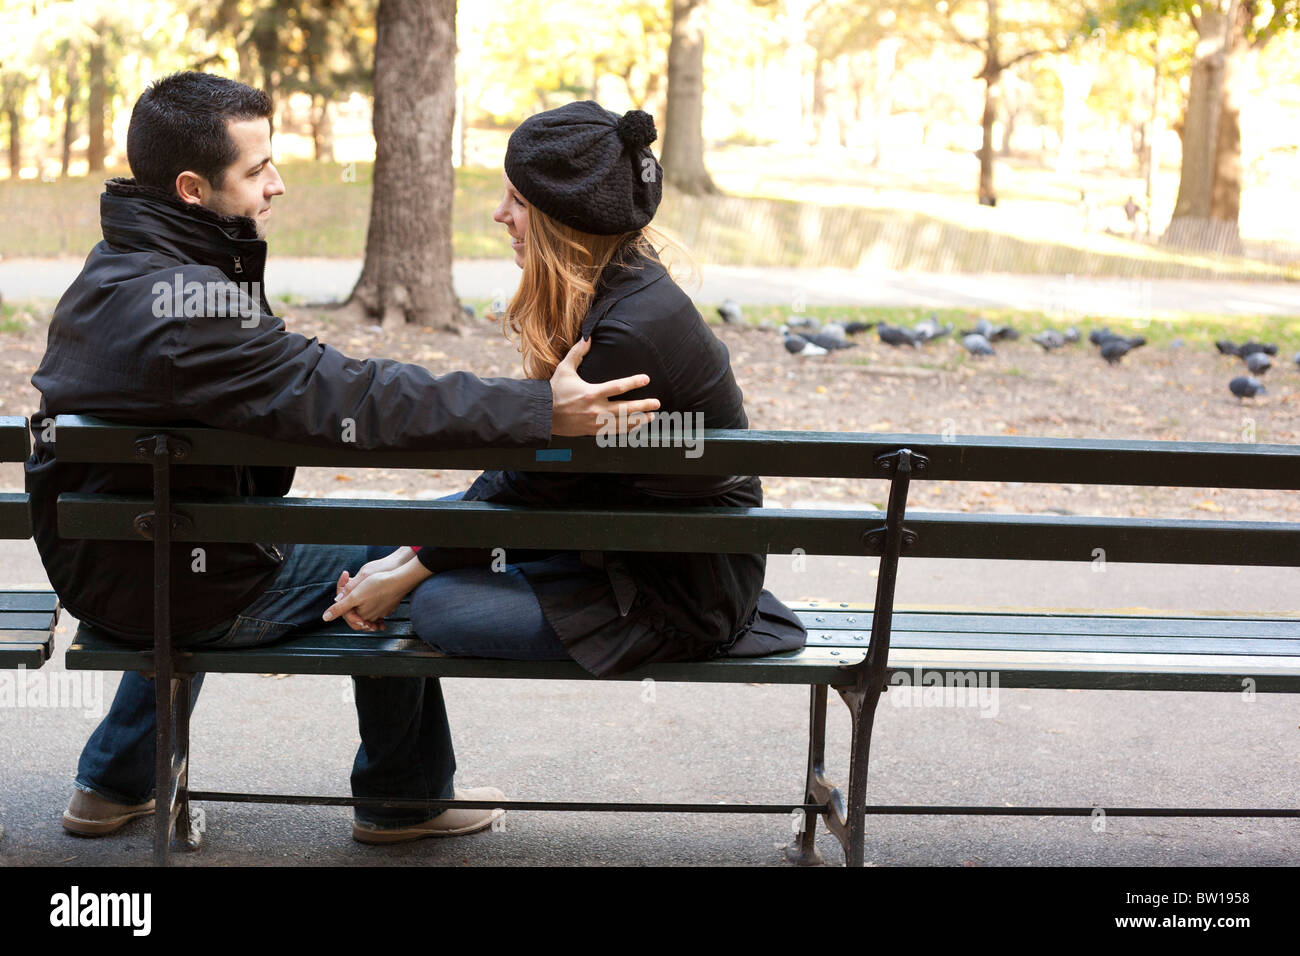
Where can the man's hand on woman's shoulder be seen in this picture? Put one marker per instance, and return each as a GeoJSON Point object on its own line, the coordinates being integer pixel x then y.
{"type": "Point", "coordinates": [582, 408]}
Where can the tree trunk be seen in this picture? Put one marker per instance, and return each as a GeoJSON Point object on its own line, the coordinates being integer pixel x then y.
{"type": "Point", "coordinates": [987, 195]}
{"type": "Point", "coordinates": [1008, 131]}
{"type": "Point", "coordinates": [683, 143]}
{"type": "Point", "coordinates": [69, 101]}
{"type": "Point", "coordinates": [991, 73]}
{"type": "Point", "coordinates": [882, 103]}
{"type": "Point", "coordinates": [95, 149]}
{"type": "Point", "coordinates": [1209, 182]}
{"type": "Point", "coordinates": [15, 138]}
{"type": "Point", "coordinates": [819, 99]}
{"type": "Point", "coordinates": [322, 130]}
{"type": "Point", "coordinates": [407, 271]}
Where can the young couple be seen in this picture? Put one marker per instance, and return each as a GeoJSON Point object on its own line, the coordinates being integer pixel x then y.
{"type": "Point", "coordinates": [581, 186]}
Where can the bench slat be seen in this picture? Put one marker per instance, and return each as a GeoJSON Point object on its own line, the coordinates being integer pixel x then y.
{"type": "Point", "coordinates": [27, 622]}
{"type": "Point", "coordinates": [404, 657]}
{"type": "Point", "coordinates": [31, 655]}
{"type": "Point", "coordinates": [1030, 622]}
{"type": "Point", "coordinates": [15, 516]}
{"type": "Point", "coordinates": [1111, 671]}
{"type": "Point", "coordinates": [14, 438]}
{"type": "Point", "coordinates": [1111, 644]}
{"type": "Point", "coordinates": [28, 601]}
{"type": "Point", "coordinates": [358, 655]}
{"type": "Point", "coordinates": [726, 530]}
{"type": "Point", "coordinates": [807, 454]}
{"type": "Point", "coordinates": [17, 622]}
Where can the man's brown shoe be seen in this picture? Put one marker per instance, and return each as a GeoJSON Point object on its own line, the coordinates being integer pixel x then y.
{"type": "Point", "coordinates": [452, 822]}
{"type": "Point", "coordinates": [91, 815]}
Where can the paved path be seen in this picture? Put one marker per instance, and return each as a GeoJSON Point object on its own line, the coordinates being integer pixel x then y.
{"type": "Point", "coordinates": [331, 279]}
{"type": "Point", "coordinates": [602, 740]}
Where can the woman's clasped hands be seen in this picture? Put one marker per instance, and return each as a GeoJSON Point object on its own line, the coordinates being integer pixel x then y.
{"type": "Point", "coordinates": [377, 589]}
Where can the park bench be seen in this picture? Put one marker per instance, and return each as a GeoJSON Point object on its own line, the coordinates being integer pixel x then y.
{"type": "Point", "coordinates": [27, 618]}
{"type": "Point", "coordinates": [853, 650]}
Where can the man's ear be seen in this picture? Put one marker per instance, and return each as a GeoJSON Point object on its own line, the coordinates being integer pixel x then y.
{"type": "Point", "coordinates": [190, 186]}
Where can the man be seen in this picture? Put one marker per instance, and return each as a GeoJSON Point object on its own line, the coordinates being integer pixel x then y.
{"type": "Point", "coordinates": [167, 322]}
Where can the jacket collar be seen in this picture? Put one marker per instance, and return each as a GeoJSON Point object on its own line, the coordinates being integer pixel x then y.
{"type": "Point", "coordinates": [138, 217]}
{"type": "Point", "coordinates": [625, 274]}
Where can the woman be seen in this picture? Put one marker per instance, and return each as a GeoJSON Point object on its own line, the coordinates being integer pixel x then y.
{"type": "Point", "coordinates": [581, 187]}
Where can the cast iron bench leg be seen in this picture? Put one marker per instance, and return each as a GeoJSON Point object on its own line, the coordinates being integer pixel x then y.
{"type": "Point", "coordinates": [187, 828]}
{"type": "Point", "coordinates": [817, 789]}
{"type": "Point", "coordinates": [862, 709]}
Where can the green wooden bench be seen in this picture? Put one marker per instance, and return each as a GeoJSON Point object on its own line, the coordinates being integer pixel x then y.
{"type": "Point", "coordinates": [857, 651]}
{"type": "Point", "coordinates": [27, 618]}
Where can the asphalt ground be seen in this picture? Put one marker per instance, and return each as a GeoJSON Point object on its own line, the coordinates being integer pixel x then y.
{"type": "Point", "coordinates": [704, 743]}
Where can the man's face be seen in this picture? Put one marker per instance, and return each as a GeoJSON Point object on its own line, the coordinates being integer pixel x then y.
{"type": "Point", "coordinates": [251, 180]}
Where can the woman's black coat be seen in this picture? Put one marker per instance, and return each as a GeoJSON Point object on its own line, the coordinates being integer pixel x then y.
{"type": "Point", "coordinates": [632, 608]}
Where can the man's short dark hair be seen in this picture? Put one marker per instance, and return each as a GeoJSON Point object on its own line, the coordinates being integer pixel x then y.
{"type": "Point", "coordinates": [179, 123]}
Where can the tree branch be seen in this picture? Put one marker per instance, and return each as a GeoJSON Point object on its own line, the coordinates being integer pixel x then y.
{"type": "Point", "coordinates": [1274, 25]}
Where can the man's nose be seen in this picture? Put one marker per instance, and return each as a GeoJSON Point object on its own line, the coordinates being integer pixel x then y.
{"type": "Point", "coordinates": [276, 186]}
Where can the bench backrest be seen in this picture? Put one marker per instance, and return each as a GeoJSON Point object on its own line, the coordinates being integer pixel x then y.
{"type": "Point", "coordinates": [15, 514]}
{"type": "Point", "coordinates": [803, 454]}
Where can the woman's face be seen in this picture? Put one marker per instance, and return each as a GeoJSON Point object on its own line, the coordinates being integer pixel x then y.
{"type": "Point", "coordinates": [513, 214]}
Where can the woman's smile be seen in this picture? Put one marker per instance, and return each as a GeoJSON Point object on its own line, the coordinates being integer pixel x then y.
{"type": "Point", "coordinates": [512, 212]}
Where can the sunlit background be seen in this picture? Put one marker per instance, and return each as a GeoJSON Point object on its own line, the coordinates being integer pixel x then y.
{"type": "Point", "coordinates": [839, 133]}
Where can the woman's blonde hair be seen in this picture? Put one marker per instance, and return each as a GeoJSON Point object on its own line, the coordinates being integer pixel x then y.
{"type": "Point", "coordinates": [561, 268]}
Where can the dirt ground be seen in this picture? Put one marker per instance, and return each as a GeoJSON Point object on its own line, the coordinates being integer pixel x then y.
{"type": "Point", "coordinates": [1171, 392]}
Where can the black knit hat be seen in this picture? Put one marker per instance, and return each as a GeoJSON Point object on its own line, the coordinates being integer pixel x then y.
{"type": "Point", "coordinates": [587, 167]}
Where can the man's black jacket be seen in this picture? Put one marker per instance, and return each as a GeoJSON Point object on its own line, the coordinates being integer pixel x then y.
{"type": "Point", "coordinates": [117, 349]}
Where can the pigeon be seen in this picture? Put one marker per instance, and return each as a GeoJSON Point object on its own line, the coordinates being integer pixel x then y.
{"type": "Point", "coordinates": [1225, 347]}
{"type": "Point", "coordinates": [1116, 347]}
{"type": "Point", "coordinates": [1071, 335]}
{"type": "Point", "coordinates": [983, 327]}
{"type": "Point", "coordinates": [1244, 386]}
{"type": "Point", "coordinates": [731, 312]}
{"type": "Point", "coordinates": [1258, 363]}
{"type": "Point", "coordinates": [976, 344]}
{"type": "Point", "coordinates": [1002, 333]}
{"type": "Point", "coordinates": [1296, 358]}
{"type": "Point", "coordinates": [468, 310]}
{"type": "Point", "coordinates": [854, 328]}
{"type": "Point", "coordinates": [835, 329]}
{"type": "Point", "coordinates": [1049, 339]}
{"type": "Point", "coordinates": [801, 322]}
{"type": "Point", "coordinates": [798, 345]}
{"type": "Point", "coordinates": [1097, 336]}
{"type": "Point", "coordinates": [1252, 347]}
{"type": "Point", "coordinates": [929, 328]}
{"type": "Point", "coordinates": [896, 335]}
{"type": "Point", "coordinates": [829, 342]}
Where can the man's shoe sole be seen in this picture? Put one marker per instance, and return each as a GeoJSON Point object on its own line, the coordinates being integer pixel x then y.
{"type": "Point", "coordinates": [378, 837]}
{"type": "Point", "coordinates": [97, 828]}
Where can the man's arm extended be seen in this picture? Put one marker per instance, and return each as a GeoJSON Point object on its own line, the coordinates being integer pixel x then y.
{"type": "Point", "coordinates": [268, 381]}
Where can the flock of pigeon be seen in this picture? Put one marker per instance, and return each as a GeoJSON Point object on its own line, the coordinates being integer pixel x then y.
{"type": "Point", "coordinates": [805, 337]}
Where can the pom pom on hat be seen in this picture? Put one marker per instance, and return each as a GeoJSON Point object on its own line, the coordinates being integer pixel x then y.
{"type": "Point", "coordinates": [637, 129]}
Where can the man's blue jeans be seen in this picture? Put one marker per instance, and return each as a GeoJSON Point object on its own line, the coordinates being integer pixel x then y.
{"type": "Point", "coordinates": [405, 753]}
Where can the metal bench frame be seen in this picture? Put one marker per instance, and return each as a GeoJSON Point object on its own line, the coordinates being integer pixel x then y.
{"type": "Point", "coordinates": [27, 618]}
{"type": "Point", "coordinates": [858, 679]}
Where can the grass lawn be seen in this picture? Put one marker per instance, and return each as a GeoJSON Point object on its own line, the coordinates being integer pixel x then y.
{"type": "Point", "coordinates": [327, 205]}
